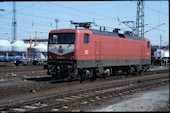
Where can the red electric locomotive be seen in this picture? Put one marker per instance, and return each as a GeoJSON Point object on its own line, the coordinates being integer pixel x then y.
{"type": "Point", "coordinates": [88, 53]}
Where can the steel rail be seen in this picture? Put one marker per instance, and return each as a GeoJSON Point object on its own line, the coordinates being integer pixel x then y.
{"type": "Point", "coordinates": [81, 92]}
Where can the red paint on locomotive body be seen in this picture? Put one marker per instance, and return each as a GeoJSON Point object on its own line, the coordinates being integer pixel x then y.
{"type": "Point", "coordinates": [106, 47]}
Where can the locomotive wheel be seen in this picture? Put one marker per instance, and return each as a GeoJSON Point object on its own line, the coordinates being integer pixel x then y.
{"type": "Point", "coordinates": [71, 77]}
{"type": "Point", "coordinates": [54, 77]}
{"type": "Point", "coordinates": [82, 78]}
{"type": "Point", "coordinates": [94, 74]}
{"type": "Point", "coordinates": [34, 63]}
{"type": "Point", "coordinates": [140, 72]}
{"type": "Point", "coordinates": [131, 70]}
{"type": "Point", "coordinates": [81, 75]}
{"type": "Point", "coordinates": [144, 68]}
{"type": "Point", "coordinates": [104, 76]}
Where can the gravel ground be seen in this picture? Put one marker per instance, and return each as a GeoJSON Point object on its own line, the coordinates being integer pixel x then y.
{"type": "Point", "coordinates": [156, 99]}
{"type": "Point", "coordinates": [164, 95]}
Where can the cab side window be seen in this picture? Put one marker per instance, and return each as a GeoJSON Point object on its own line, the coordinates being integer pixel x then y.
{"type": "Point", "coordinates": [86, 38]}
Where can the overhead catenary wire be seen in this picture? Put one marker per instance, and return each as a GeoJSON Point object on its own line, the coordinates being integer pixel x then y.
{"type": "Point", "coordinates": [82, 11]}
{"type": "Point", "coordinates": [153, 9]}
{"type": "Point", "coordinates": [19, 9]}
{"type": "Point", "coordinates": [47, 11]}
{"type": "Point", "coordinates": [62, 6]}
{"type": "Point", "coordinates": [39, 24]}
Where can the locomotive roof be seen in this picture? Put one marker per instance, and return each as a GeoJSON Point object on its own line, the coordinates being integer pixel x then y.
{"type": "Point", "coordinates": [107, 33]}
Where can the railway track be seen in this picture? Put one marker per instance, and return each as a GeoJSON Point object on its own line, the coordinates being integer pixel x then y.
{"type": "Point", "coordinates": [28, 72]}
{"type": "Point", "coordinates": [68, 101]}
{"type": "Point", "coordinates": [16, 69]}
{"type": "Point", "coordinates": [7, 72]}
{"type": "Point", "coordinates": [45, 84]}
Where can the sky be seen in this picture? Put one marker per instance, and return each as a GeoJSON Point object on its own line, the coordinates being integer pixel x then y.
{"type": "Point", "coordinates": [37, 18]}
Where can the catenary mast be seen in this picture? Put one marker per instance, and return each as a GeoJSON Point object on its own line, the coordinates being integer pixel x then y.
{"type": "Point", "coordinates": [14, 23]}
{"type": "Point", "coordinates": [140, 18]}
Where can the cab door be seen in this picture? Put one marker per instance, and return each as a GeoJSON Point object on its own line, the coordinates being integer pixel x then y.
{"type": "Point", "coordinates": [97, 51]}
{"type": "Point", "coordinates": [142, 52]}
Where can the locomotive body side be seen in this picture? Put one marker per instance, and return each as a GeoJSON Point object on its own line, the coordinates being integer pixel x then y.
{"type": "Point", "coordinates": [107, 51]}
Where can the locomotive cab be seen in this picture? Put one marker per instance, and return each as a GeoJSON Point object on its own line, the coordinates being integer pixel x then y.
{"type": "Point", "coordinates": [61, 54]}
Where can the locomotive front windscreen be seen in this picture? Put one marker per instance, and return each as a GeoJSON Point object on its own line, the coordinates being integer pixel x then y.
{"type": "Point", "coordinates": [61, 38]}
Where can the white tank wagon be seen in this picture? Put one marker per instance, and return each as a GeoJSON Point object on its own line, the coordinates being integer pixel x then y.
{"type": "Point", "coordinates": [161, 56]}
{"type": "Point", "coordinates": [19, 50]}
{"type": "Point", "coordinates": [166, 54]}
{"type": "Point", "coordinates": [159, 53]}
{"type": "Point", "coordinates": [39, 53]}
{"type": "Point", "coordinates": [166, 57]}
{"type": "Point", "coordinates": [5, 50]}
{"type": "Point", "coordinates": [19, 46]}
